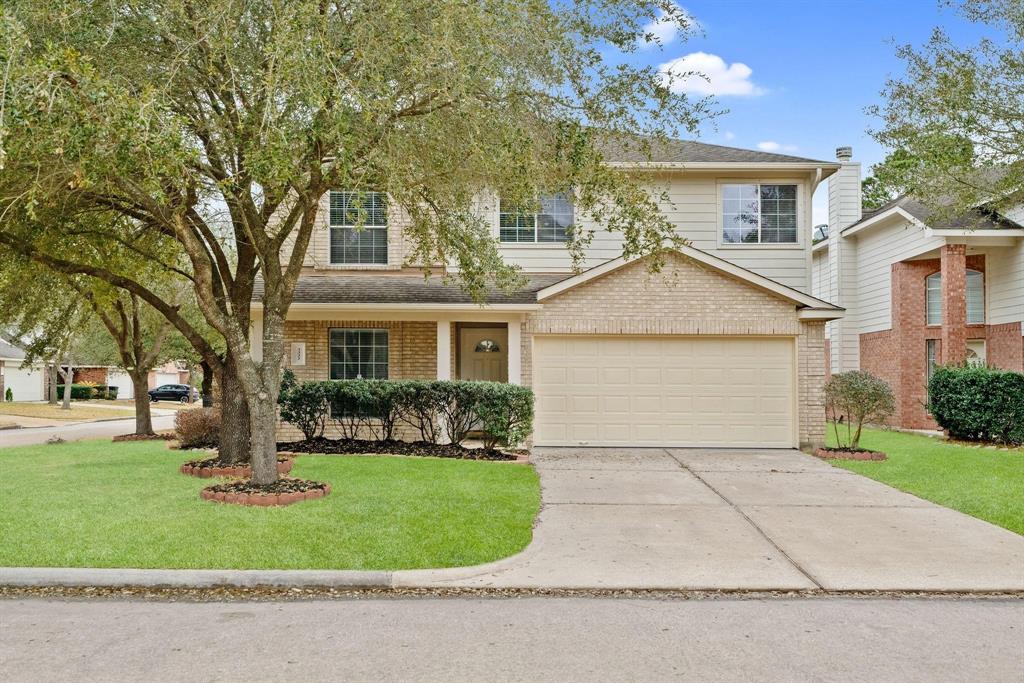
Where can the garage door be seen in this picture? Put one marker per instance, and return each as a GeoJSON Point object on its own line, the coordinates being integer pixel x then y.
{"type": "Point", "coordinates": [664, 391]}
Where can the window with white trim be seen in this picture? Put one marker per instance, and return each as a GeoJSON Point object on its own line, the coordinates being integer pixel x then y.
{"type": "Point", "coordinates": [759, 213]}
{"type": "Point", "coordinates": [551, 222]}
{"type": "Point", "coordinates": [975, 296]}
{"type": "Point", "coordinates": [359, 227]}
{"type": "Point", "coordinates": [358, 353]}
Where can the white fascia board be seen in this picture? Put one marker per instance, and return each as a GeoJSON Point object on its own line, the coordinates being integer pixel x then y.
{"type": "Point", "coordinates": [820, 313]}
{"type": "Point", "coordinates": [707, 259]}
{"type": "Point", "coordinates": [820, 246]}
{"type": "Point", "coordinates": [826, 169]}
{"type": "Point", "coordinates": [881, 218]}
{"type": "Point", "coordinates": [419, 307]}
{"type": "Point", "coordinates": [961, 232]}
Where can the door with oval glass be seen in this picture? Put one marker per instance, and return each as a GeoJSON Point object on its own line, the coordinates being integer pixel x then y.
{"type": "Point", "coordinates": [483, 353]}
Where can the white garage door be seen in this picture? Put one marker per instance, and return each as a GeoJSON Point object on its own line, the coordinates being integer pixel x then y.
{"type": "Point", "coordinates": [25, 384]}
{"type": "Point", "coordinates": [664, 391]}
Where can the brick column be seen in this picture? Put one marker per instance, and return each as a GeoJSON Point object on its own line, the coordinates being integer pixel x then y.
{"type": "Point", "coordinates": [954, 303]}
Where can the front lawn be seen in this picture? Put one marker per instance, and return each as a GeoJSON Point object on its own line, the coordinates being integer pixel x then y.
{"type": "Point", "coordinates": [97, 504]}
{"type": "Point", "coordinates": [982, 482]}
{"type": "Point", "coordinates": [77, 411]}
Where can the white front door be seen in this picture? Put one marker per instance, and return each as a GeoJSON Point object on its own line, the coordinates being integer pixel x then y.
{"type": "Point", "coordinates": [483, 353]}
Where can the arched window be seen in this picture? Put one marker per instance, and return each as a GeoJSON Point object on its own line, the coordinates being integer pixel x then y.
{"type": "Point", "coordinates": [487, 346]}
{"type": "Point", "coordinates": [975, 298]}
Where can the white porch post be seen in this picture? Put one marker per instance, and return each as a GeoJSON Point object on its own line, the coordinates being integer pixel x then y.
{"type": "Point", "coordinates": [515, 352]}
{"type": "Point", "coordinates": [444, 349]}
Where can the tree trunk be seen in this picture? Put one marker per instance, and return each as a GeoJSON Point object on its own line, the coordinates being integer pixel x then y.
{"type": "Point", "coordinates": [143, 416]}
{"type": "Point", "coordinates": [234, 417]}
{"type": "Point", "coordinates": [207, 387]}
{"type": "Point", "coordinates": [69, 378]}
{"type": "Point", "coordinates": [52, 389]}
{"type": "Point", "coordinates": [263, 423]}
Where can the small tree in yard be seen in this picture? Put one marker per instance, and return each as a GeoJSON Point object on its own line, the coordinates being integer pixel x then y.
{"type": "Point", "coordinates": [855, 398]}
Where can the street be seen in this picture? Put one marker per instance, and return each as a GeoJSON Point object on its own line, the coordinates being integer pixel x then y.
{"type": "Point", "coordinates": [527, 638]}
{"type": "Point", "coordinates": [79, 430]}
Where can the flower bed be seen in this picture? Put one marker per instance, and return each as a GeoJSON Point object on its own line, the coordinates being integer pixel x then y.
{"type": "Point", "coordinates": [284, 491]}
{"type": "Point", "coordinates": [848, 454]}
{"type": "Point", "coordinates": [213, 467]}
{"type": "Point", "coordinates": [159, 436]}
{"type": "Point", "coordinates": [418, 448]}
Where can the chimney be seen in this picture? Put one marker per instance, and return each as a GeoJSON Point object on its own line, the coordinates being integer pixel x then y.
{"type": "Point", "coordinates": [844, 192]}
{"type": "Point", "coordinates": [844, 201]}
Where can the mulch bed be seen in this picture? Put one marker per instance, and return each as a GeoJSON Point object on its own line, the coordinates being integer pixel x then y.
{"type": "Point", "coordinates": [848, 454]}
{"type": "Point", "coordinates": [419, 448]}
{"type": "Point", "coordinates": [213, 467]}
{"type": "Point", "coordinates": [284, 491]}
{"type": "Point", "coordinates": [159, 436]}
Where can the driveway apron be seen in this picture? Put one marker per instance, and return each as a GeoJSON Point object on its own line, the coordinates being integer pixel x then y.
{"type": "Point", "coordinates": [754, 519]}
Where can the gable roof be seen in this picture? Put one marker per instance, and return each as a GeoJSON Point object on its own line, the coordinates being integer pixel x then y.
{"type": "Point", "coordinates": [9, 351]}
{"type": "Point", "coordinates": [813, 306]}
{"type": "Point", "coordinates": [975, 219]}
{"type": "Point", "coordinates": [673, 151]}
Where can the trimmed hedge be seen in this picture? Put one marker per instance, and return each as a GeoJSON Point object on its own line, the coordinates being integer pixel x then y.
{"type": "Point", "coordinates": [978, 403]}
{"type": "Point", "coordinates": [434, 408]}
{"type": "Point", "coordinates": [84, 392]}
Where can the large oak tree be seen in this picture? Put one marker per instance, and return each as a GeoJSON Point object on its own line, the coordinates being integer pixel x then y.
{"type": "Point", "coordinates": [218, 127]}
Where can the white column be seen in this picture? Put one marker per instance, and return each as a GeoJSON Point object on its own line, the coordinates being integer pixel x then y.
{"type": "Point", "coordinates": [444, 349]}
{"type": "Point", "coordinates": [515, 352]}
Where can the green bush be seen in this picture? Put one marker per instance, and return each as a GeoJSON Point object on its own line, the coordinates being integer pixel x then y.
{"type": "Point", "coordinates": [855, 398]}
{"type": "Point", "coordinates": [361, 408]}
{"type": "Point", "coordinates": [79, 392]}
{"type": "Point", "coordinates": [8, 395]}
{"type": "Point", "coordinates": [978, 403]}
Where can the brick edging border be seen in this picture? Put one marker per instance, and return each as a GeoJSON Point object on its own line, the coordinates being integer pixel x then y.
{"type": "Point", "coordinates": [241, 471]}
{"type": "Point", "coordinates": [826, 454]}
{"type": "Point", "coordinates": [264, 499]}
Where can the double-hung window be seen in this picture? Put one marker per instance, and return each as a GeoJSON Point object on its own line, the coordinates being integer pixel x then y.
{"type": "Point", "coordinates": [359, 353]}
{"type": "Point", "coordinates": [359, 228]}
{"type": "Point", "coordinates": [551, 221]}
{"type": "Point", "coordinates": [975, 295]}
{"type": "Point", "coordinates": [759, 213]}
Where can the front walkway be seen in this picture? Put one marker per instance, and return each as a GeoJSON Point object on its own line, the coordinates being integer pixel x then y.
{"type": "Point", "coordinates": [739, 519]}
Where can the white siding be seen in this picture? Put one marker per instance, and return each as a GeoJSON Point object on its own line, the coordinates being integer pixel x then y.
{"type": "Point", "coordinates": [821, 282]}
{"type": "Point", "coordinates": [1004, 275]}
{"type": "Point", "coordinates": [693, 207]}
{"type": "Point", "coordinates": [877, 249]}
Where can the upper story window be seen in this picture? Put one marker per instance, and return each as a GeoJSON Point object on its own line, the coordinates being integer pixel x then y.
{"type": "Point", "coordinates": [975, 298]}
{"type": "Point", "coordinates": [359, 227]}
{"type": "Point", "coordinates": [551, 223]}
{"type": "Point", "coordinates": [759, 213]}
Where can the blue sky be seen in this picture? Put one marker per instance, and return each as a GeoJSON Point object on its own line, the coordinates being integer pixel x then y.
{"type": "Point", "coordinates": [796, 76]}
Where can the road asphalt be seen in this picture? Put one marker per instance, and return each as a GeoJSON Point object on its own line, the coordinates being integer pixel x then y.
{"type": "Point", "coordinates": [502, 639]}
{"type": "Point", "coordinates": [80, 430]}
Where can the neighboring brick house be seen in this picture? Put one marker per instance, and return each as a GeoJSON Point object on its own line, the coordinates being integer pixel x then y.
{"type": "Point", "coordinates": [724, 347]}
{"type": "Point", "coordinates": [919, 292]}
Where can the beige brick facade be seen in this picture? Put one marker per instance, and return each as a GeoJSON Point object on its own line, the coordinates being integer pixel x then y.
{"type": "Point", "coordinates": [686, 298]}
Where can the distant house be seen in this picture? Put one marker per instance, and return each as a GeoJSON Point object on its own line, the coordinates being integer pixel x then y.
{"type": "Point", "coordinates": [26, 384]}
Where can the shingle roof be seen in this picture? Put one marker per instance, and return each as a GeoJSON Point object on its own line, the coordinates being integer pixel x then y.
{"type": "Point", "coordinates": [8, 350]}
{"type": "Point", "coordinates": [366, 288]}
{"type": "Point", "coordinates": [683, 151]}
{"type": "Point", "coordinates": [975, 219]}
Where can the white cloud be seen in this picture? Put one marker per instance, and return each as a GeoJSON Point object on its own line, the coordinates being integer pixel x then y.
{"type": "Point", "coordinates": [700, 73]}
{"type": "Point", "coordinates": [772, 146]}
{"type": "Point", "coordinates": [665, 28]}
{"type": "Point", "coordinates": [729, 135]}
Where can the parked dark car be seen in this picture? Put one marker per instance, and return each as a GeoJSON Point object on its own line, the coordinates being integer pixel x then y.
{"type": "Point", "coordinates": [173, 392]}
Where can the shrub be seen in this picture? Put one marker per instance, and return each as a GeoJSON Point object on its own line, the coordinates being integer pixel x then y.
{"type": "Point", "coordinates": [79, 392]}
{"type": "Point", "coordinates": [8, 395]}
{"type": "Point", "coordinates": [506, 413]}
{"type": "Point", "coordinates": [978, 403]}
{"type": "Point", "coordinates": [198, 427]}
{"type": "Point", "coordinates": [855, 398]}
{"type": "Point", "coordinates": [305, 406]}
{"type": "Point", "coordinates": [433, 408]}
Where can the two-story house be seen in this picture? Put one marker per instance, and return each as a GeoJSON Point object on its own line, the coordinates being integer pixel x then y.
{"type": "Point", "coordinates": [724, 347]}
{"type": "Point", "coordinates": [918, 290]}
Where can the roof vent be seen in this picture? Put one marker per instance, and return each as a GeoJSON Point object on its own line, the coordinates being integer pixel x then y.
{"type": "Point", "coordinates": [844, 153]}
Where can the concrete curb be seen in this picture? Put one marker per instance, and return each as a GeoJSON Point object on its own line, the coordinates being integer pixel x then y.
{"type": "Point", "coordinates": [37, 577]}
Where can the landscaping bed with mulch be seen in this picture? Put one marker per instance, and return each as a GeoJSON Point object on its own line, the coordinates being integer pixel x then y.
{"type": "Point", "coordinates": [159, 436]}
{"type": "Point", "coordinates": [828, 453]}
{"type": "Point", "coordinates": [284, 491]}
{"type": "Point", "coordinates": [214, 467]}
{"type": "Point", "coordinates": [327, 446]}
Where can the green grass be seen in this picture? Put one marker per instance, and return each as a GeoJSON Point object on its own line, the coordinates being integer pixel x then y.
{"type": "Point", "coordinates": [97, 504]}
{"type": "Point", "coordinates": [986, 483]}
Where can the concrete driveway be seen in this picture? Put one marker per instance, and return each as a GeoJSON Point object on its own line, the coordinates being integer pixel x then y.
{"type": "Point", "coordinates": [742, 519]}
